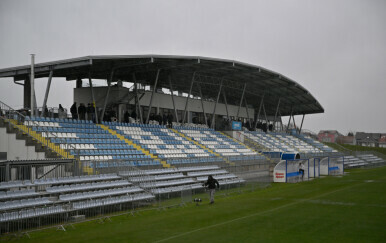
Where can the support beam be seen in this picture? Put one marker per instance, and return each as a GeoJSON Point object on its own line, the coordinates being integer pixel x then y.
{"type": "Point", "coordinates": [215, 105]}
{"type": "Point", "coordinates": [137, 104]}
{"type": "Point", "coordinates": [258, 114]}
{"type": "Point", "coordinates": [46, 94]}
{"type": "Point", "coordinates": [172, 95]}
{"type": "Point", "coordinates": [289, 120]}
{"type": "Point", "coordinates": [202, 104]}
{"type": "Point", "coordinates": [241, 101]}
{"type": "Point", "coordinates": [152, 95]}
{"type": "Point", "coordinates": [32, 81]}
{"type": "Point", "coordinates": [301, 125]}
{"type": "Point", "coordinates": [265, 114]}
{"type": "Point", "coordinates": [226, 104]}
{"type": "Point", "coordinates": [107, 93]}
{"type": "Point", "coordinates": [27, 93]}
{"type": "Point", "coordinates": [281, 122]}
{"type": "Point", "coordinates": [187, 99]}
{"type": "Point", "coordinates": [277, 110]}
{"type": "Point", "coordinates": [246, 107]}
{"type": "Point", "coordinates": [93, 99]}
{"type": "Point", "coordinates": [293, 119]}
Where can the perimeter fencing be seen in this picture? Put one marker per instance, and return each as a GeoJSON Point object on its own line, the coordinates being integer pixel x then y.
{"type": "Point", "coordinates": [46, 194]}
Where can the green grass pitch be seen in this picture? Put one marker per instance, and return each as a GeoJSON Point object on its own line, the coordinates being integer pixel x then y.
{"type": "Point", "coordinates": [332, 209]}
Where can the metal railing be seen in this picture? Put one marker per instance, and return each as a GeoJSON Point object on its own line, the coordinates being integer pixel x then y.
{"type": "Point", "coordinates": [53, 208]}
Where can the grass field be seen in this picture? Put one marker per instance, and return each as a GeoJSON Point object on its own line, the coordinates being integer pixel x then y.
{"type": "Point", "coordinates": [334, 209]}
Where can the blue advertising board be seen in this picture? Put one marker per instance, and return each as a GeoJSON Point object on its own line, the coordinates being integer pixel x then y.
{"type": "Point", "coordinates": [236, 125]}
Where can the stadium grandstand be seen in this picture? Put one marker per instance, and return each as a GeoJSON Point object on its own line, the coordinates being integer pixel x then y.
{"type": "Point", "coordinates": [158, 129]}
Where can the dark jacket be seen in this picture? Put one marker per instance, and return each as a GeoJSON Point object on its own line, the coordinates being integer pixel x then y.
{"type": "Point", "coordinates": [212, 183]}
{"type": "Point", "coordinates": [74, 109]}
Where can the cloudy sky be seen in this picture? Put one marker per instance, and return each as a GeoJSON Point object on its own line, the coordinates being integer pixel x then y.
{"type": "Point", "coordinates": [334, 48]}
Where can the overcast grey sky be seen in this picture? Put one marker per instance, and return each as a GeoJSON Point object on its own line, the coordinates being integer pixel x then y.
{"type": "Point", "coordinates": [334, 48]}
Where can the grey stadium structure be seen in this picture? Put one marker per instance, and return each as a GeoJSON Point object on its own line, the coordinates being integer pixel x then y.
{"type": "Point", "coordinates": [155, 129]}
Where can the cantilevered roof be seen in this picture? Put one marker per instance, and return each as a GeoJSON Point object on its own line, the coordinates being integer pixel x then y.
{"type": "Point", "coordinates": [207, 73]}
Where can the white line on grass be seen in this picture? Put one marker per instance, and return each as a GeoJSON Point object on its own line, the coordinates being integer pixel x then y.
{"type": "Point", "coordinates": [256, 214]}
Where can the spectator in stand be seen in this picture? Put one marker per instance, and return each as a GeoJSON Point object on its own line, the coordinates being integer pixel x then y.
{"type": "Point", "coordinates": [126, 117]}
{"type": "Point", "coordinates": [151, 118]}
{"type": "Point", "coordinates": [90, 112]}
{"type": "Point", "coordinates": [134, 114]}
{"type": "Point", "coordinates": [46, 112]}
{"type": "Point", "coordinates": [170, 120]}
{"type": "Point", "coordinates": [159, 119]}
{"type": "Point", "coordinates": [74, 111]}
{"type": "Point", "coordinates": [82, 111]}
{"type": "Point", "coordinates": [164, 119]}
{"type": "Point", "coordinates": [61, 112]}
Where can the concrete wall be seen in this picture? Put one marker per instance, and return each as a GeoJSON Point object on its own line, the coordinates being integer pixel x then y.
{"type": "Point", "coordinates": [83, 95]}
{"type": "Point", "coordinates": [16, 149]}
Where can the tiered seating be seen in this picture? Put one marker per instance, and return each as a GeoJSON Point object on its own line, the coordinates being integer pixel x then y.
{"type": "Point", "coordinates": [271, 143]}
{"type": "Point", "coordinates": [86, 186]}
{"type": "Point", "coordinates": [299, 145]}
{"type": "Point", "coordinates": [161, 141]}
{"type": "Point", "coordinates": [24, 203]}
{"type": "Point", "coordinates": [99, 193]}
{"type": "Point", "coordinates": [352, 162]}
{"type": "Point", "coordinates": [163, 181]}
{"type": "Point", "coordinates": [315, 143]}
{"type": "Point", "coordinates": [220, 143]}
{"type": "Point", "coordinates": [361, 160]}
{"type": "Point", "coordinates": [30, 213]}
{"type": "Point", "coordinates": [282, 142]}
{"type": "Point", "coordinates": [84, 139]}
{"type": "Point", "coordinates": [17, 194]}
{"type": "Point", "coordinates": [112, 200]}
{"type": "Point", "coordinates": [65, 194]}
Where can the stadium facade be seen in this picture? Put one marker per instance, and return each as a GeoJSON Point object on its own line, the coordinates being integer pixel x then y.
{"type": "Point", "coordinates": [159, 127]}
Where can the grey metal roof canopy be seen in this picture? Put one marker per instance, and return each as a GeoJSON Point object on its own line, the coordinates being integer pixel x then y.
{"type": "Point", "coordinates": [209, 73]}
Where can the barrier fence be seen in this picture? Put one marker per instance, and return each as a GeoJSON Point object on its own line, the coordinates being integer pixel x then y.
{"type": "Point", "coordinates": [59, 193]}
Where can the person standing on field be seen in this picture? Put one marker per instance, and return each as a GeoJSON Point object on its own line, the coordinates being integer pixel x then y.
{"type": "Point", "coordinates": [211, 183]}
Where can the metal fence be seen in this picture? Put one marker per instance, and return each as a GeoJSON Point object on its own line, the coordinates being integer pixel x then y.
{"type": "Point", "coordinates": [41, 194]}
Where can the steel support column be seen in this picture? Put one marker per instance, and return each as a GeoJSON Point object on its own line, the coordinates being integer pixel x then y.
{"type": "Point", "coordinates": [226, 104]}
{"type": "Point", "coordinates": [93, 99]}
{"type": "Point", "coordinates": [301, 125]}
{"type": "Point", "coordinates": [289, 121]}
{"type": "Point", "coordinates": [137, 105]}
{"type": "Point", "coordinates": [171, 91]}
{"type": "Point", "coordinates": [246, 108]}
{"type": "Point", "coordinates": [152, 94]}
{"type": "Point", "coordinates": [215, 105]}
{"type": "Point", "coordinates": [265, 114]}
{"type": "Point", "coordinates": [241, 101]}
{"type": "Point", "coordinates": [46, 94]}
{"type": "Point", "coordinates": [281, 122]}
{"type": "Point", "coordinates": [187, 99]}
{"type": "Point", "coordinates": [202, 104]}
{"type": "Point", "coordinates": [32, 81]}
{"type": "Point", "coordinates": [277, 110]}
{"type": "Point", "coordinates": [107, 94]}
{"type": "Point", "coordinates": [293, 119]}
{"type": "Point", "coordinates": [258, 113]}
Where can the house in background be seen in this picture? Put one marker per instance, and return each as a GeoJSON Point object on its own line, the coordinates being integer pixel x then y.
{"type": "Point", "coordinates": [371, 139]}
{"type": "Point", "coordinates": [382, 141]}
{"type": "Point", "coordinates": [329, 136]}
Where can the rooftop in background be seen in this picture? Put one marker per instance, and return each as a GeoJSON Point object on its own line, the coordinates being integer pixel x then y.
{"type": "Point", "coordinates": [209, 73]}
